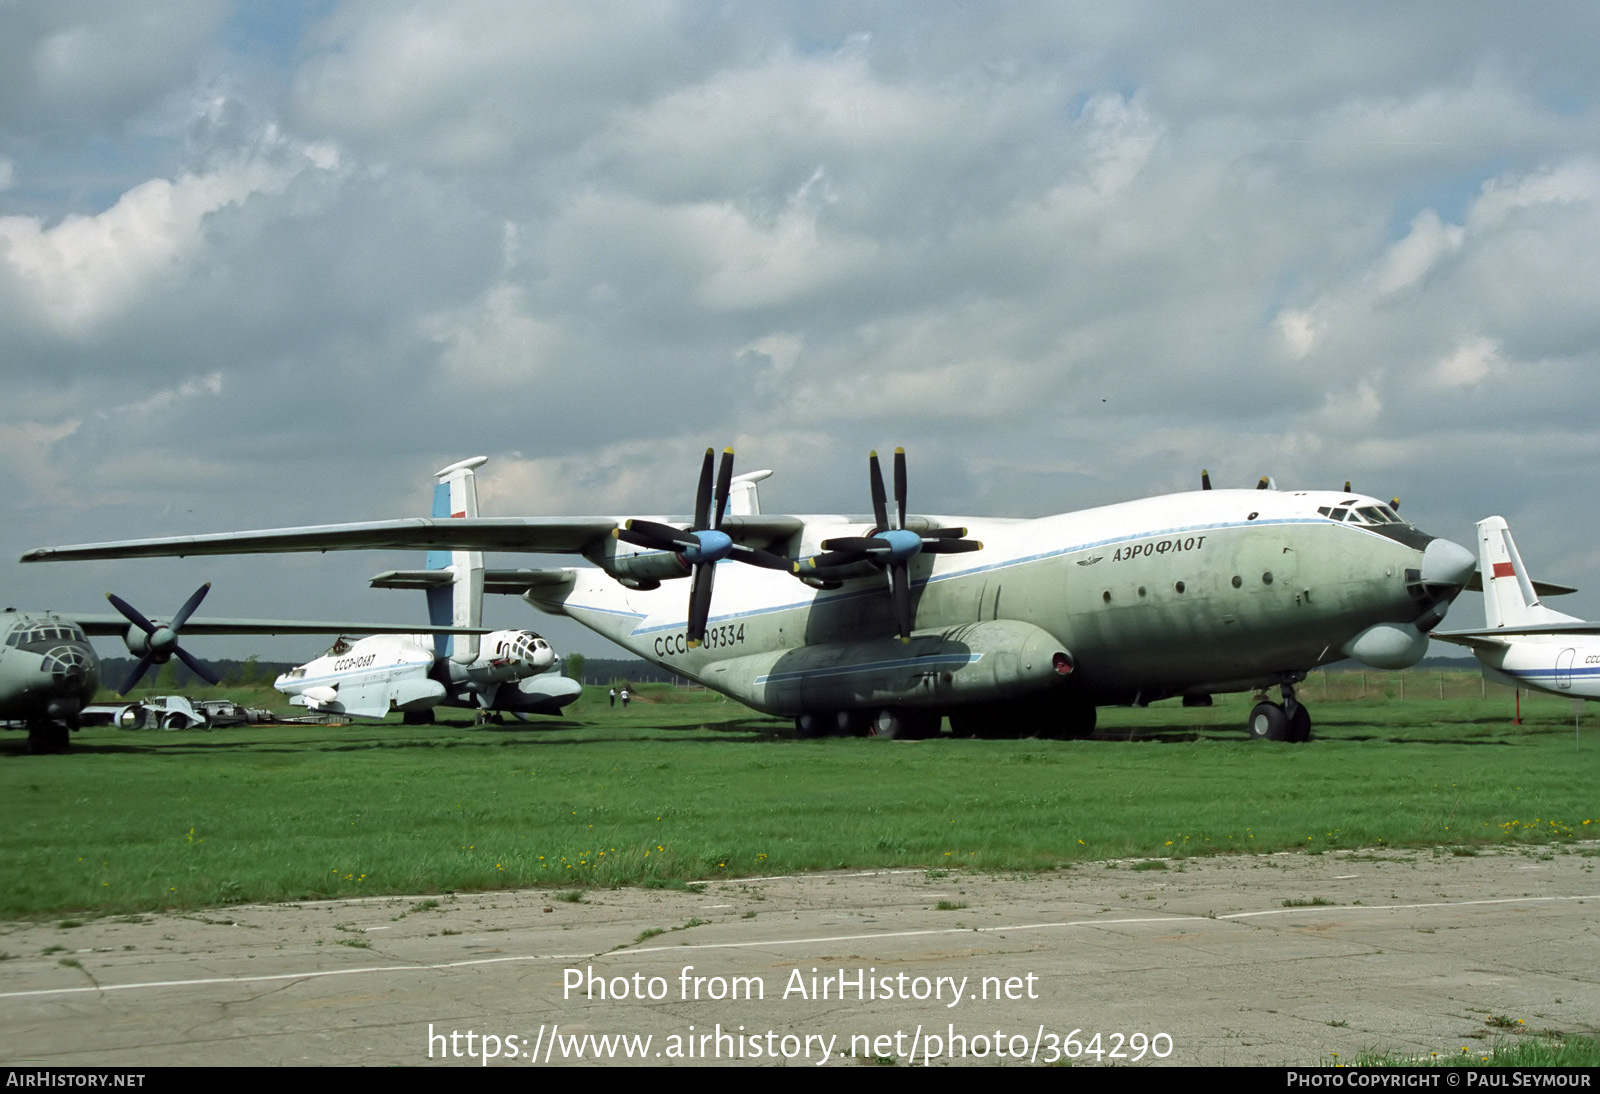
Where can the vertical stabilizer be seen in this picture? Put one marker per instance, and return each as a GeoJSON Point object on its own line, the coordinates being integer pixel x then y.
{"type": "Point", "coordinates": [743, 501]}
{"type": "Point", "coordinates": [1509, 598]}
{"type": "Point", "coordinates": [459, 604]}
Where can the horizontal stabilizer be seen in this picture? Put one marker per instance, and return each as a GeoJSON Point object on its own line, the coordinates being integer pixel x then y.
{"type": "Point", "coordinates": [1543, 588]}
{"type": "Point", "coordinates": [1577, 626]}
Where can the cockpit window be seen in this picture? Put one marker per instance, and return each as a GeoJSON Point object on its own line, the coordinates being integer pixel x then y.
{"type": "Point", "coordinates": [1366, 514]}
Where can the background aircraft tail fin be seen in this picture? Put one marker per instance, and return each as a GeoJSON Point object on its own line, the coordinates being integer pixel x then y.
{"type": "Point", "coordinates": [743, 501]}
{"type": "Point", "coordinates": [1509, 598]}
{"type": "Point", "coordinates": [459, 603]}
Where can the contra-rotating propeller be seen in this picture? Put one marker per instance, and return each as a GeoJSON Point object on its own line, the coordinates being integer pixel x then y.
{"type": "Point", "coordinates": [160, 641]}
{"type": "Point", "coordinates": [889, 545]}
{"type": "Point", "coordinates": [704, 544]}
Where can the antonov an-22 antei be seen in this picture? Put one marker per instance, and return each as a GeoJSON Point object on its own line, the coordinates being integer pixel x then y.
{"type": "Point", "coordinates": [1007, 627]}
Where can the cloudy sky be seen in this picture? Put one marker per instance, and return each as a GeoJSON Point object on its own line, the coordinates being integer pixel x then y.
{"type": "Point", "coordinates": [275, 263]}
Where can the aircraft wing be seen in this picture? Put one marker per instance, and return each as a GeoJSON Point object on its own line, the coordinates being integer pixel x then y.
{"type": "Point", "coordinates": [106, 624]}
{"type": "Point", "coordinates": [534, 535]}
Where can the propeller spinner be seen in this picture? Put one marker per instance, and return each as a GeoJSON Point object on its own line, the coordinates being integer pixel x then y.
{"type": "Point", "coordinates": [889, 545]}
{"type": "Point", "coordinates": [159, 643]}
{"type": "Point", "coordinates": [705, 543]}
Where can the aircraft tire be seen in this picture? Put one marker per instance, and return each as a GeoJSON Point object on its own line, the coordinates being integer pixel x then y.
{"type": "Point", "coordinates": [899, 724]}
{"type": "Point", "coordinates": [1080, 720]}
{"type": "Point", "coordinates": [1269, 722]}
{"type": "Point", "coordinates": [851, 723]}
{"type": "Point", "coordinates": [890, 724]}
{"type": "Point", "coordinates": [1299, 725]}
{"type": "Point", "coordinates": [963, 723]}
{"type": "Point", "coordinates": [809, 726]}
{"type": "Point", "coordinates": [48, 738]}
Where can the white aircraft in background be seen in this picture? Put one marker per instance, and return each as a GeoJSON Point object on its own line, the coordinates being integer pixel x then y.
{"type": "Point", "coordinates": [898, 620]}
{"type": "Point", "coordinates": [1525, 644]}
{"type": "Point", "coordinates": [514, 672]}
{"type": "Point", "coordinates": [49, 672]}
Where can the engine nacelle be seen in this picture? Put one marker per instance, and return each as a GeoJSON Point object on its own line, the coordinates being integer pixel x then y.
{"type": "Point", "coordinates": [1388, 646]}
{"type": "Point", "coordinates": [977, 663]}
{"type": "Point", "coordinates": [637, 567]}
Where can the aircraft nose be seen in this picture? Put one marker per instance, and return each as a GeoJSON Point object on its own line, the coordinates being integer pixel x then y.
{"type": "Point", "coordinates": [1447, 563]}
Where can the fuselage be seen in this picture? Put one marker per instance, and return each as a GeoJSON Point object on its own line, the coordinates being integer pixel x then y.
{"type": "Point", "coordinates": [1560, 665]}
{"type": "Point", "coordinates": [48, 670]}
{"type": "Point", "coordinates": [383, 674]}
{"type": "Point", "coordinates": [1200, 592]}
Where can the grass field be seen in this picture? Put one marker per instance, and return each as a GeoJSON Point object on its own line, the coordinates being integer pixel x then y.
{"type": "Point", "coordinates": [684, 785]}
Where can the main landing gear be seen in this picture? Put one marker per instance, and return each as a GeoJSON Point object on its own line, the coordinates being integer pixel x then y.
{"type": "Point", "coordinates": [890, 723]}
{"type": "Point", "coordinates": [1288, 721]}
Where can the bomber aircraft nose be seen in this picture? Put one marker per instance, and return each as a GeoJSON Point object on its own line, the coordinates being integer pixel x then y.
{"type": "Point", "coordinates": [1447, 563]}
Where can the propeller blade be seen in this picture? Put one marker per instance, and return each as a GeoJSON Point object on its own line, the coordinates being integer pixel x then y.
{"type": "Point", "coordinates": [880, 501]}
{"type": "Point", "coordinates": [755, 556]}
{"type": "Point", "coordinates": [1205, 479]}
{"type": "Point", "coordinates": [724, 484]}
{"type": "Point", "coordinates": [1347, 486]}
{"type": "Point", "coordinates": [196, 667]}
{"type": "Point", "coordinates": [700, 602]}
{"type": "Point", "coordinates": [1264, 483]}
{"type": "Point", "coordinates": [900, 594]}
{"type": "Point", "coordinates": [136, 675]}
{"type": "Point", "coordinates": [950, 546]}
{"type": "Point", "coordinates": [1394, 503]}
{"type": "Point", "coordinates": [702, 499]}
{"type": "Point", "coordinates": [855, 544]}
{"type": "Point", "coordinates": [131, 614]}
{"type": "Point", "coordinates": [660, 537]}
{"type": "Point", "coordinates": [189, 606]}
{"type": "Point", "coordinates": [827, 561]}
{"type": "Point", "coordinates": [900, 486]}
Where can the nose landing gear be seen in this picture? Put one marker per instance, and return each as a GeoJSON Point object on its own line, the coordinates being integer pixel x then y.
{"type": "Point", "coordinates": [1288, 721]}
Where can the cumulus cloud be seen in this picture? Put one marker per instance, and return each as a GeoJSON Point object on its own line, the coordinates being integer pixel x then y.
{"type": "Point", "coordinates": [1064, 254]}
{"type": "Point", "coordinates": [76, 273]}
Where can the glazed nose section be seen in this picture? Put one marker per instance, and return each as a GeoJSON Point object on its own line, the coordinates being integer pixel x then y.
{"type": "Point", "coordinates": [1447, 563]}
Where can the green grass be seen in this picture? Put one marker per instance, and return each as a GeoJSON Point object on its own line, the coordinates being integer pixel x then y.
{"type": "Point", "coordinates": [686, 786]}
{"type": "Point", "coordinates": [1533, 1051]}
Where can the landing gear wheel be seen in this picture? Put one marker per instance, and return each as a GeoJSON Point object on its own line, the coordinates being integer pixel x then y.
{"type": "Point", "coordinates": [897, 724]}
{"type": "Point", "coordinates": [1299, 725]}
{"type": "Point", "coordinates": [45, 738]}
{"type": "Point", "coordinates": [809, 726]}
{"type": "Point", "coordinates": [851, 723]}
{"type": "Point", "coordinates": [1075, 721]}
{"type": "Point", "coordinates": [1270, 722]}
{"type": "Point", "coordinates": [891, 725]}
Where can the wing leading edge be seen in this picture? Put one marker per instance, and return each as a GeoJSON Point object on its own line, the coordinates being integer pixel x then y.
{"type": "Point", "coordinates": [529, 535]}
